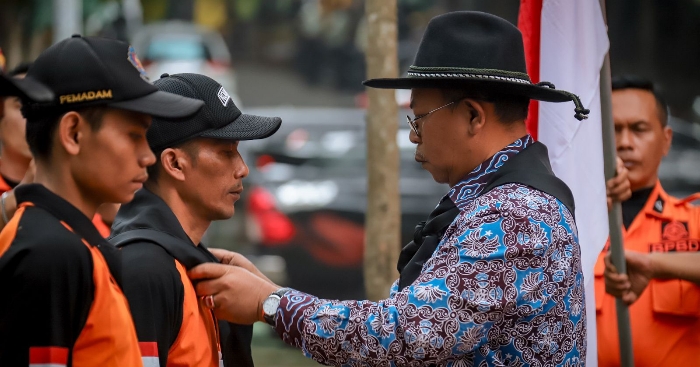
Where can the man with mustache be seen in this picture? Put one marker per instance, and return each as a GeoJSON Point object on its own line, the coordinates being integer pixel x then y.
{"type": "Point", "coordinates": [493, 277]}
{"type": "Point", "coordinates": [196, 180]}
{"type": "Point", "coordinates": [661, 239]}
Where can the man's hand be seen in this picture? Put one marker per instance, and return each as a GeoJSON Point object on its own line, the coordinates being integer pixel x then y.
{"type": "Point", "coordinates": [628, 287]}
{"type": "Point", "coordinates": [234, 258]}
{"type": "Point", "coordinates": [237, 293]}
{"type": "Point", "coordinates": [618, 187]}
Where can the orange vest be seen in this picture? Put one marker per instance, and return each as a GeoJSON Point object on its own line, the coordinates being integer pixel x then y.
{"type": "Point", "coordinates": [665, 320]}
{"type": "Point", "coordinates": [108, 337]}
{"type": "Point", "coordinates": [198, 340]}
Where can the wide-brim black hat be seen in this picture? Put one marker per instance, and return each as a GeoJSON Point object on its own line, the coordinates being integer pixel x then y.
{"type": "Point", "coordinates": [475, 51]}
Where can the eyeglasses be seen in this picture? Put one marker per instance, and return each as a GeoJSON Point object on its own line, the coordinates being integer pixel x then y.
{"type": "Point", "coordinates": [412, 122]}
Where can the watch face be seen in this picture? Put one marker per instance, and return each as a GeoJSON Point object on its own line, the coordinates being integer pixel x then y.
{"type": "Point", "coordinates": [270, 305]}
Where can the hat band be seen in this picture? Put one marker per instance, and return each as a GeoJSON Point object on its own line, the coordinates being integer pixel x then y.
{"type": "Point", "coordinates": [455, 72]}
{"type": "Point", "coordinates": [463, 75]}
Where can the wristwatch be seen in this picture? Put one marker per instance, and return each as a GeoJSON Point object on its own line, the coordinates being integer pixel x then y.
{"type": "Point", "coordinates": [271, 304]}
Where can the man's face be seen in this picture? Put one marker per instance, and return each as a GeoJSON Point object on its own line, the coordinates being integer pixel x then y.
{"type": "Point", "coordinates": [13, 129]}
{"type": "Point", "coordinates": [213, 179]}
{"type": "Point", "coordinates": [112, 160]}
{"type": "Point", "coordinates": [641, 139]}
{"type": "Point", "coordinates": [441, 133]}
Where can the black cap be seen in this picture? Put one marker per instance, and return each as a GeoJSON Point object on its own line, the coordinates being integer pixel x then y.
{"type": "Point", "coordinates": [94, 71]}
{"type": "Point", "coordinates": [218, 119]}
{"type": "Point", "coordinates": [24, 88]}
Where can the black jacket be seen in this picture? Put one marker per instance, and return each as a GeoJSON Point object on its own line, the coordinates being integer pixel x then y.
{"type": "Point", "coordinates": [151, 238]}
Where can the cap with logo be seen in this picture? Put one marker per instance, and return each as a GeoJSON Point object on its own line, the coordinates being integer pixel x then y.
{"type": "Point", "coordinates": [94, 71]}
{"type": "Point", "coordinates": [218, 119]}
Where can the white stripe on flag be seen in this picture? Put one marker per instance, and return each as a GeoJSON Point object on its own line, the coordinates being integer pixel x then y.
{"type": "Point", "coordinates": [46, 365]}
{"type": "Point", "coordinates": [573, 45]}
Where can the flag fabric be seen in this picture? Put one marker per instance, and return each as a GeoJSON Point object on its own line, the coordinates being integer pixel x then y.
{"type": "Point", "coordinates": [565, 43]}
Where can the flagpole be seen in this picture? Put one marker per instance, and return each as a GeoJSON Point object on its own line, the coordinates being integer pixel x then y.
{"type": "Point", "coordinates": [615, 215]}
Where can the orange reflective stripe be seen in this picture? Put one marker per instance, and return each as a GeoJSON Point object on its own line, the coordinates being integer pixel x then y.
{"type": "Point", "coordinates": [10, 231]}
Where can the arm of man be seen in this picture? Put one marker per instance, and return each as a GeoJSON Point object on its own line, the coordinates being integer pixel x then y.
{"type": "Point", "coordinates": [47, 291]}
{"type": "Point", "coordinates": [642, 268]}
{"type": "Point", "coordinates": [154, 290]}
{"type": "Point", "coordinates": [487, 266]}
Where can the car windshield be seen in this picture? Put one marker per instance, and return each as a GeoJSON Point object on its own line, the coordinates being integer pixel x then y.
{"type": "Point", "coordinates": [176, 48]}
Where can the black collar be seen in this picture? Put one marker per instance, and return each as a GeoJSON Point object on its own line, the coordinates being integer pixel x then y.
{"type": "Point", "coordinates": [43, 198]}
{"type": "Point", "coordinates": [148, 211]}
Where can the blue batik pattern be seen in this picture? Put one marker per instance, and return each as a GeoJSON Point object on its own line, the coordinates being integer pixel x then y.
{"type": "Point", "coordinates": [503, 288]}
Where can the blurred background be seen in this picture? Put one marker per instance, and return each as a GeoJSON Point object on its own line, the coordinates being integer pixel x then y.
{"type": "Point", "coordinates": [302, 215]}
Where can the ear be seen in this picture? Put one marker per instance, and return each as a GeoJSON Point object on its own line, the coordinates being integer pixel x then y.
{"type": "Point", "coordinates": [668, 137]}
{"type": "Point", "coordinates": [476, 117]}
{"type": "Point", "coordinates": [71, 132]}
{"type": "Point", "coordinates": [175, 163]}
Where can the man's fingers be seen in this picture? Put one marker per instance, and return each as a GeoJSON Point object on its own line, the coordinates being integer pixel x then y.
{"type": "Point", "coordinates": [208, 271]}
{"type": "Point", "coordinates": [220, 254]}
{"type": "Point", "coordinates": [609, 266]}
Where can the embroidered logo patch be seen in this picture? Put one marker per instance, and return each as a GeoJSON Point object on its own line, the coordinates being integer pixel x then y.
{"type": "Point", "coordinates": [223, 96]}
{"type": "Point", "coordinates": [134, 60]}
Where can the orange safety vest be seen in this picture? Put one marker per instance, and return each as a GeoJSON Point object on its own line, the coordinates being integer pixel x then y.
{"type": "Point", "coordinates": [665, 320]}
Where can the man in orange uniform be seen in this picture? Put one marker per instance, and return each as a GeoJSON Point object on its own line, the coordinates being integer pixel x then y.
{"type": "Point", "coordinates": [665, 320]}
{"type": "Point", "coordinates": [59, 279]}
{"type": "Point", "coordinates": [197, 179]}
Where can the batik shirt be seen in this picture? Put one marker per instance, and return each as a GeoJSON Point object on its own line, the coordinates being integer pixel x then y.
{"type": "Point", "coordinates": [504, 287]}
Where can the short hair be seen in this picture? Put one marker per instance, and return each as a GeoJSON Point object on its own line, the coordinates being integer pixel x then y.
{"type": "Point", "coordinates": [636, 82]}
{"type": "Point", "coordinates": [22, 68]}
{"type": "Point", "coordinates": [508, 108]}
{"type": "Point", "coordinates": [42, 125]}
{"type": "Point", "coordinates": [188, 146]}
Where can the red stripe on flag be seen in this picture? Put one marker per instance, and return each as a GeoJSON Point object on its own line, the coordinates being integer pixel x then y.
{"type": "Point", "coordinates": [48, 355]}
{"type": "Point", "coordinates": [148, 349]}
{"type": "Point", "coordinates": [529, 21]}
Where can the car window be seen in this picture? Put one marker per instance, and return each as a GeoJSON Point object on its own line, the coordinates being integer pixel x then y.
{"type": "Point", "coordinates": [176, 48]}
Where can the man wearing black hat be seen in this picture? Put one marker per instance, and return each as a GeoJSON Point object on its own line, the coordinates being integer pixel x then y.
{"type": "Point", "coordinates": [59, 278]}
{"type": "Point", "coordinates": [493, 277]}
{"type": "Point", "coordinates": [196, 180]}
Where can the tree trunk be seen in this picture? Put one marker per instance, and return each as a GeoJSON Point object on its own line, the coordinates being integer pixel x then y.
{"type": "Point", "coordinates": [383, 208]}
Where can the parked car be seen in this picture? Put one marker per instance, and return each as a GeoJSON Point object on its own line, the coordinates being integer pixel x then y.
{"type": "Point", "coordinates": [181, 47]}
{"type": "Point", "coordinates": [307, 196]}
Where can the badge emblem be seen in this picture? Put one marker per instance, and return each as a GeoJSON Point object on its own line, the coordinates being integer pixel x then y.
{"type": "Point", "coordinates": [223, 96]}
{"type": "Point", "coordinates": [134, 60]}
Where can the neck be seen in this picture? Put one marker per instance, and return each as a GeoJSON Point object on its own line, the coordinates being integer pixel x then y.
{"type": "Point", "coordinates": [496, 141]}
{"type": "Point", "coordinates": [59, 181]}
{"type": "Point", "coordinates": [13, 166]}
{"type": "Point", "coordinates": [648, 184]}
{"type": "Point", "coordinates": [193, 224]}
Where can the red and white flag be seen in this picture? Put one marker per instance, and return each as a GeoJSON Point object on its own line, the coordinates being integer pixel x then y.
{"type": "Point", "coordinates": [565, 44]}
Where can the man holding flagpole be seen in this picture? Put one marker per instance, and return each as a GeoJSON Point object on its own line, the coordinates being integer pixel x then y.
{"type": "Point", "coordinates": [664, 233]}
